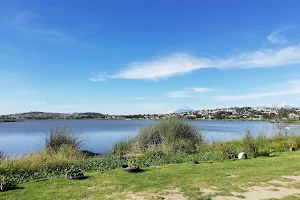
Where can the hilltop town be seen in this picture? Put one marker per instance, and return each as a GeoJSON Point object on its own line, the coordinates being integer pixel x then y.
{"type": "Point", "coordinates": [234, 113]}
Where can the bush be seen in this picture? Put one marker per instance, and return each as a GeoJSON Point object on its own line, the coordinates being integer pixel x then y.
{"type": "Point", "coordinates": [7, 184]}
{"type": "Point", "coordinates": [225, 149]}
{"type": "Point", "coordinates": [173, 134]}
{"type": "Point", "coordinates": [75, 173]}
{"type": "Point", "coordinates": [62, 136]}
{"type": "Point", "coordinates": [250, 144]}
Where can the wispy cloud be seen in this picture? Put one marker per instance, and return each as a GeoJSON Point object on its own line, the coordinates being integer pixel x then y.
{"type": "Point", "coordinates": [179, 94]}
{"type": "Point", "coordinates": [36, 102]}
{"type": "Point", "coordinates": [23, 23]}
{"type": "Point", "coordinates": [99, 77]}
{"type": "Point", "coordinates": [137, 98]}
{"type": "Point", "coordinates": [201, 89]}
{"type": "Point", "coordinates": [277, 37]}
{"type": "Point", "coordinates": [19, 92]}
{"type": "Point", "coordinates": [7, 76]}
{"type": "Point", "coordinates": [182, 63]}
{"type": "Point", "coordinates": [289, 88]}
{"type": "Point", "coordinates": [187, 92]}
{"type": "Point", "coordinates": [66, 106]}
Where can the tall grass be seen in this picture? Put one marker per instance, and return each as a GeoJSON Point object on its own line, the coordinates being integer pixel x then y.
{"type": "Point", "coordinates": [2, 156]}
{"type": "Point", "coordinates": [170, 134]}
{"type": "Point", "coordinates": [122, 147]}
{"type": "Point", "coordinates": [62, 136]}
{"type": "Point", "coordinates": [250, 145]}
{"type": "Point", "coordinates": [46, 160]}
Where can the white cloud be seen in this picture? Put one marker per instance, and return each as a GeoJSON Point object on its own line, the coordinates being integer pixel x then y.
{"type": "Point", "coordinates": [201, 89]}
{"type": "Point", "coordinates": [137, 98]}
{"type": "Point", "coordinates": [23, 18]}
{"type": "Point", "coordinates": [99, 77]}
{"type": "Point", "coordinates": [276, 37]}
{"type": "Point", "coordinates": [289, 88]}
{"type": "Point", "coordinates": [24, 92]}
{"type": "Point", "coordinates": [37, 102]}
{"type": "Point", "coordinates": [179, 94]}
{"type": "Point", "coordinates": [23, 23]}
{"type": "Point", "coordinates": [178, 63]}
{"type": "Point", "coordinates": [187, 92]}
{"type": "Point", "coordinates": [181, 63]}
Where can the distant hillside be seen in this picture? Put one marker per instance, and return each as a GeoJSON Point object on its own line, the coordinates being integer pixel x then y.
{"type": "Point", "coordinates": [184, 109]}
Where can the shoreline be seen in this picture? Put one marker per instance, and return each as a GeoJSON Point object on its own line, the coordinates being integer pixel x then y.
{"type": "Point", "coordinates": [127, 119]}
{"type": "Point", "coordinates": [26, 120]}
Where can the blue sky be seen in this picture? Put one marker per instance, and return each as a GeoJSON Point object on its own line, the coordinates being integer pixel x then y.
{"type": "Point", "coordinates": [125, 57]}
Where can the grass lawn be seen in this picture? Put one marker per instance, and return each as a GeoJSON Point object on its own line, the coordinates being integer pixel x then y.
{"type": "Point", "coordinates": [226, 176]}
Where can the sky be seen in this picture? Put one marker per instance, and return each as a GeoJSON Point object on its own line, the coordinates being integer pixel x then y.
{"type": "Point", "coordinates": [131, 57]}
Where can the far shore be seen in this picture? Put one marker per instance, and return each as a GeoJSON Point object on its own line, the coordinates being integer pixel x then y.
{"type": "Point", "coordinates": [198, 119]}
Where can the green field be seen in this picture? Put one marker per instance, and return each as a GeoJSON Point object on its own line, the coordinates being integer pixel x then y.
{"type": "Point", "coordinates": [189, 179]}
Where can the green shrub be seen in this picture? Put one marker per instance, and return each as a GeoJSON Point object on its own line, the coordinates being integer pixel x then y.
{"type": "Point", "coordinates": [7, 184]}
{"type": "Point", "coordinates": [173, 134]}
{"type": "Point", "coordinates": [62, 136]}
{"type": "Point", "coordinates": [156, 151]}
{"type": "Point", "coordinates": [250, 144]}
{"type": "Point", "coordinates": [75, 173]}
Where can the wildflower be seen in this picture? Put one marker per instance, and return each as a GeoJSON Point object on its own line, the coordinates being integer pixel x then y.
{"type": "Point", "coordinates": [139, 155]}
{"type": "Point", "coordinates": [277, 145]}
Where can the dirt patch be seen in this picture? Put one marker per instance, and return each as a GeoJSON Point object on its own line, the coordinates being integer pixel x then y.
{"type": "Point", "coordinates": [283, 189]}
{"type": "Point", "coordinates": [208, 192]}
{"type": "Point", "coordinates": [280, 188]}
{"type": "Point", "coordinates": [138, 196]}
{"type": "Point", "coordinates": [165, 194]}
{"type": "Point", "coordinates": [173, 194]}
{"type": "Point", "coordinates": [92, 188]}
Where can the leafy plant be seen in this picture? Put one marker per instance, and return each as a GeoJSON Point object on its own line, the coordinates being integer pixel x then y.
{"type": "Point", "coordinates": [6, 184]}
{"type": "Point", "coordinates": [139, 160]}
{"type": "Point", "coordinates": [75, 173]}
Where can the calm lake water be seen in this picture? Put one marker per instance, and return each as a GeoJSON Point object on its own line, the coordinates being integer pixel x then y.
{"type": "Point", "coordinates": [98, 135]}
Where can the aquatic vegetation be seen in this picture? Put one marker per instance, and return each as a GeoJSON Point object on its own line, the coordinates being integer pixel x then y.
{"type": "Point", "coordinates": [62, 136]}
{"type": "Point", "coordinates": [171, 135]}
{"type": "Point", "coordinates": [122, 147]}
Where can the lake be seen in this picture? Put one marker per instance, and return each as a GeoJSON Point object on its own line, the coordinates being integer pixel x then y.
{"type": "Point", "coordinates": [98, 135]}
